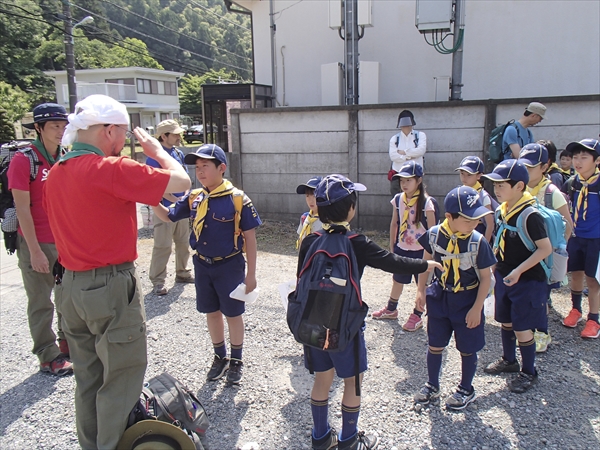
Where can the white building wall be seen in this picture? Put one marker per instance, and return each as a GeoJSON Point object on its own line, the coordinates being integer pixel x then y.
{"type": "Point", "coordinates": [512, 48]}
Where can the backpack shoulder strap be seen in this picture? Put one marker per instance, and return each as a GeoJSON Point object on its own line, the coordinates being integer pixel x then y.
{"type": "Point", "coordinates": [34, 161]}
{"type": "Point", "coordinates": [239, 200]}
{"type": "Point", "coordinates": [416, 138]}
{"type": "Point", "coordinates": [522, 228]}
{"type": "Point", "coordinates": [548, 196]}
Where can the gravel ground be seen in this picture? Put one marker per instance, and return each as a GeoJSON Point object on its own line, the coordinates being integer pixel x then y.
{"type": "Point", "coordinates": [270, 409]}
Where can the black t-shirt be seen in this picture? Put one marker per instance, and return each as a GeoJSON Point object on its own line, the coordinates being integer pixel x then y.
{"type": "Point", "coordinates": [515, 251]}
{"type": "Point", "coordinates": [368, 253]}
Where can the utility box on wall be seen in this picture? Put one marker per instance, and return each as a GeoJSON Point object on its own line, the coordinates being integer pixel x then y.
{"type": "Point", "coordinates": [433, 15]}
{"type": "Point", "coordinates": [332, 84]}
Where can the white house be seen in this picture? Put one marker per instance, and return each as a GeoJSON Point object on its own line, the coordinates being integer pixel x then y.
{"type": "Point", "coordinates": [149, 94]}
{"type": "Point", "coordinates": [512, 49]}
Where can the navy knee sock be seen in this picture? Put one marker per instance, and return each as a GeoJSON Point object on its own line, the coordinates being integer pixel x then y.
{"type": "Point", "coordinates": [469, 367]}
{"type": "Point", "coordinates": [576, 299]}
{"type": "Point", "coordinates": [509, 344]}
{"type": "Point", "coordinates": [417, 312]}
{"type": "Point", "coordinates": [236, 351]}
{"type": "Point", "coordinates": [434, 366]}
{"type": "Point", "coordinates": [349, 421]}
{"type": "Point", "coordinates": [392, 304]}
{"type": "Point", "coordinates": [220, 349]}
{"type": "Point", "coordinates": [319, 410]}
{"type": "Point", "coordinates": [593, 317]}
{"type": "Point", "coordinates": [528, 356]}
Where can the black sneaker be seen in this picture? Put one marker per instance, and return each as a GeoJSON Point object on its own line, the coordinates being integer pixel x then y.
{"type": "Point", "coordinates": [236, 369]}
{"type": "Point", "coordinates": [360, 441]}
{"type": "Point", "coordinates": [427, 394]}
{"type": "Point", "coordinates": [327, 442]}
{"type": "Point", "coordinates": [522, 382]}
{"type": "Point", "coordinates": [218, 368]}
{"type": "Point", "coordinates": [502, 366]}
{"type": "Point", "coordinates": [460, 399]}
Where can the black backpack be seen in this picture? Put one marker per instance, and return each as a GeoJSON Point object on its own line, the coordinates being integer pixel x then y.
{"type": "Point", "coordinates": [496, 151]}
{"type": "Point", "coordinates": [8, 213]}
{"type": "Point", "coordinates": [436, 212]}
{"type": "Point", "coordinates": [326, 310]}
{"type": "Point", "coordinates": [165, 398]}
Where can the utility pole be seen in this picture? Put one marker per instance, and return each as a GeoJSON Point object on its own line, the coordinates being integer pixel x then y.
{"type": "Point", "coordinates": [351, 37]}
{"type": "Point", "coordinates": [457, 56]}
{"type": "Point", "coordinates": [69, 56]}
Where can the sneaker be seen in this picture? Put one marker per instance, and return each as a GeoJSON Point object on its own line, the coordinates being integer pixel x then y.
{"type": "Point", "coordinates": [236, 368]}
{"type": "Point", "coordinates": [591, 330]}
{"type": "Point", "coordinates": [327, 442]}
{"type": "Point", "coordinates": [542, 340]}
{"type": "Point", "coordinates": [360, 441]}
{"type": "Point", "coordinates": [59, 366]}
{"type": "Point", "coordinates": [522, 382]}
{"type": "Point", "coordinates": [427, 394]}
{"type": "Point", "coordinates": [502, 366]}
{"type": "Point", "coordinates": [572, 319]}
{"type": "Point", "coordinates": [159, 289]}
{"type": "Point", "coordinates": [385, 314]}
{"type": "Point", "coordinates": [188, 279]}
{"type": "Point", "coordinates": [63, 346]}
{"type": "Point", "coordinates": [413, 323]}
{"type": "Point", "coordinates": [218, 368]}
{"type": "Point", "coordinates": [460, 399]}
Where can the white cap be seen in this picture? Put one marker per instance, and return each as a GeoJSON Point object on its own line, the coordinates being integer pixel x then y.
{"type": "Point", "coordinates": [94, 110]}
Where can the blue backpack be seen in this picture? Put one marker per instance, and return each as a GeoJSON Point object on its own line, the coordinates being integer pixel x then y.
{"type": "Point", "coordinates": [326, 310]}
{"type": "Point", "coordinates": [555, 265]}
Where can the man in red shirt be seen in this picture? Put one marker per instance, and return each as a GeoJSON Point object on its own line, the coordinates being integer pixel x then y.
{"type": "Point", "coordinates": [90, 197]}
{"type": "Point", "coordinates": [35, 243]}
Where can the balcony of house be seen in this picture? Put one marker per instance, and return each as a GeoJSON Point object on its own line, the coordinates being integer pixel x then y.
{"type": "Point", "coordinates": [124, 93]}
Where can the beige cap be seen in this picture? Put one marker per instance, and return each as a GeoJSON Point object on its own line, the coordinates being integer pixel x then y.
{"type": "Point", "coordinates": [168, 126]}
{"type": "Point", "coordinates": [537, 108]}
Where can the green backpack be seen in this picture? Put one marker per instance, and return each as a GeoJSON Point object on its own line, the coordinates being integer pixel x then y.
{"type": "Point", "coordinates": [495, 150]}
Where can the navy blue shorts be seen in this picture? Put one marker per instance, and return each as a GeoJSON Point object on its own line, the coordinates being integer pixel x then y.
{"type": "Point", "coordinates": [215, 282]}
{"type": "Point", "coordinates": [583, 255]}
{"type": "Point", "coordinates": [523, 305]}
{"type": "Point", "coordinates": [446, 313]}
{"type": "Point", "coordinates": [416, 254]}
{"type": "Point", "coordinates": [343, 361]}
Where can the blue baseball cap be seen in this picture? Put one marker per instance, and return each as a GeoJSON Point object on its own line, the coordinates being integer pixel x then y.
{"type": "Point", "coordinates": [465, 201]}
{"type": "Point", "coordinates": [591, 145]}
{"type": "Point", "coordinates": [532, 155]}
{"type": "Point", "coordinates": [509, 169]}
{"type": "Point", "coordinates": [471, 164]}
{"type": "Point", "coordinates": [334, 188]}
{"type": "Point", "coordinates": [410, 169]}
{"type": "Point", "coordinates": [207, 151]}
{"type": "Point", "coordinates": [312, 184]}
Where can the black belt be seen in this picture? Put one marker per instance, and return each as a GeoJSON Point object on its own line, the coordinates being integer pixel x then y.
{"type": "Point", "coordinates": [216, 259]}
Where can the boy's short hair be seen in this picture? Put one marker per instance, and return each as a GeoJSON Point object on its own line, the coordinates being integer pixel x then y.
{"type": "Point", "coordinates": [338, 211]}
{"type": "Point", "coordinates": [566, 154]}
{"type": "Point", "coordinates": [591, 146]}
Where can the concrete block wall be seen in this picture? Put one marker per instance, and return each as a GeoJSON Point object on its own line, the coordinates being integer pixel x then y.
{"type": "Point", "coordinates": [276, 149]}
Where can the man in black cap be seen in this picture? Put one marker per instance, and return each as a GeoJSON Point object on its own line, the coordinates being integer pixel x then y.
{"type": "Point", "coordinates": [35, 246]}
{"type": "Point", "coordinates": [408, 145]}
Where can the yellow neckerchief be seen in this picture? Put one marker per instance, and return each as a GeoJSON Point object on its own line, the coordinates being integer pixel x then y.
{"type": "Point", "coordinates": [407, 206]}
{"type": "Point", "coordinates": [566, 172]}
{"type": "Point", "coordinates": [306, 227]}
{"type": "Point", "coordinates": [225, 188]}
{"type": "Point", "coordinates": [477, 186]}
{"type": "Point", "coordinates": [582, 199]}
{"type": "Point", "coordinates": [505, 214]}
{"type": "Point", "coordinates": [329, 226]}
{"type": "Point", "coordinates": [534, 191]}
{"type": "Point", "coordinates": [452, 248]}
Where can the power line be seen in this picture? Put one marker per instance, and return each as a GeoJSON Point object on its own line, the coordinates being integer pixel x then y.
{"type": "Point", "coordinates": [159, 40]}
{"type": "Point", "coordinates": [214, 14]}
{"type": "Point", "coordinates": [175, 31]}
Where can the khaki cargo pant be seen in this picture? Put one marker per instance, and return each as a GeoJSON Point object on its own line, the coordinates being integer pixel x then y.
{"type": "Point", "coordinates": [105, 323]}
{"type": "Point", "coordinates": [165, 233]}
{"type": "Point", "coordinates": [40, 309]}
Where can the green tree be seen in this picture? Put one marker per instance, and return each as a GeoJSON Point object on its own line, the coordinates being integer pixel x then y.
{"type": "Point", "coordinates": [7, 130]}
{"type": "Point", "coordinates": [190, 89]}
{"type": "Point", "coordinates": [14, 101]}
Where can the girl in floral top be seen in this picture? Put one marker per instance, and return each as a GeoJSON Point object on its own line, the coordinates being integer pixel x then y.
{"type": "Point", "coordinates": [413, 208]}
